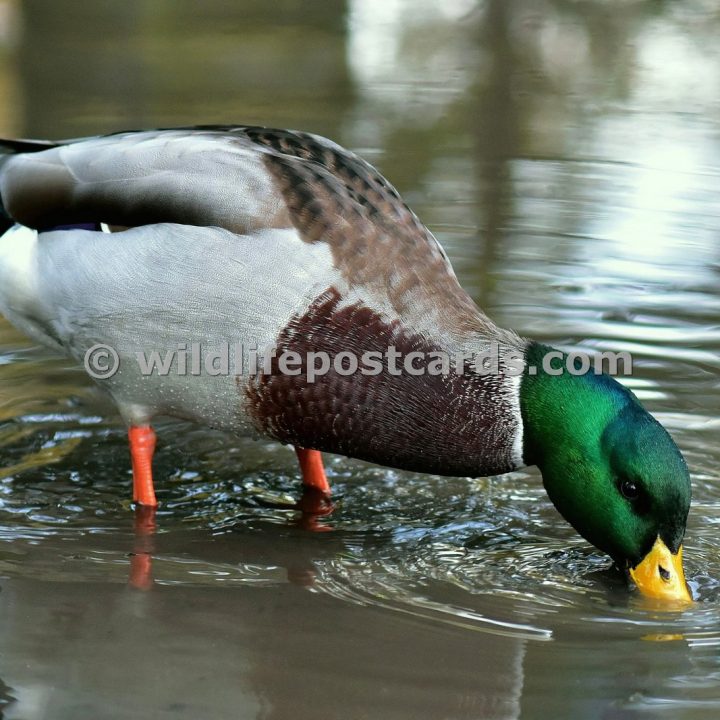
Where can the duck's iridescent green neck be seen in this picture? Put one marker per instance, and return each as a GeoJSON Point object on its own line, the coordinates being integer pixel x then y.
{"type": "Point", "coordinates": [564, 412]}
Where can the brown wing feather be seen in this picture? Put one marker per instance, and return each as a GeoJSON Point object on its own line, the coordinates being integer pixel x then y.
{"type": "Point", "coordinates": [336, 197]}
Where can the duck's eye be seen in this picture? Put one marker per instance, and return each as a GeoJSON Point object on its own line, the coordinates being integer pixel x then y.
{"type": "Point", "coordinates": [629, 489]}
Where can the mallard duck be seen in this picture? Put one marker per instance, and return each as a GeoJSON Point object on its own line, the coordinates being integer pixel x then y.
{"type": "Point", "coordinates": [283, 239]}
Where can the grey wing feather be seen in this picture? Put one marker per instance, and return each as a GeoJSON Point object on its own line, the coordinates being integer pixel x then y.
{"type": "Point", "coordinates": [197, 178]}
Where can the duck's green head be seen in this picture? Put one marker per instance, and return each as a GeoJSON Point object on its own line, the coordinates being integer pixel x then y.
{"type": "Point", "coordinates": [611, 470]}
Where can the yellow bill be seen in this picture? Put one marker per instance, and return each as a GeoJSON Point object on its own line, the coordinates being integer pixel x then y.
{"type": "Point", "coordinates": [660, 574]}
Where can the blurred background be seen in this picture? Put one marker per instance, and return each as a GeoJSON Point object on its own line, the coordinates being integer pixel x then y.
{"type": "Point", "coordinates": [566, 153]}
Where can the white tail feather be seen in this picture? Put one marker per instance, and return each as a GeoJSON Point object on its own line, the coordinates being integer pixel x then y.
{"type": "Point", "coordinates": [19, 281]}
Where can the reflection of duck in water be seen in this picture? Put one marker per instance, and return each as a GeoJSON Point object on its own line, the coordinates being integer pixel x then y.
{"type": "Point", "coordinates": [274, 645]}
{"type": "Point", "coordinates": [278, 238]}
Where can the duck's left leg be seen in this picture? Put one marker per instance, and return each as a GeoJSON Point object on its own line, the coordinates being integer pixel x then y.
{"type": "Point", "coordinates": [315, 501]}
{"type": "Point", "coordinates": [142, 447]}
{"type": "Point", "coordinates": [313, 472]}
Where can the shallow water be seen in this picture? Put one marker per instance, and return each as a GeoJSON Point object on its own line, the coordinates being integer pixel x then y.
{"type": "Point", "coordinates": [567, 156]}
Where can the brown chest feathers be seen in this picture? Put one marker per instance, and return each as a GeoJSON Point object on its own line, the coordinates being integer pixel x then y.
{"type": "Point", "coordinates": [449, 424]}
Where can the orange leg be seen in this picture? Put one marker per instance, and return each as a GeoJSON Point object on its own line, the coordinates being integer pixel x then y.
{"type": "Point", "coordinates": [313, 472]}
{"type": "Point", "coordinates": [315, 502]}
{"type": "Point", "coordinates": [142, 446]}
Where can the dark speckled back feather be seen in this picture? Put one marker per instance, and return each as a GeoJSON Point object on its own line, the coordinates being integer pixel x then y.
{"type": "Point", "coordinates": [336, 197]}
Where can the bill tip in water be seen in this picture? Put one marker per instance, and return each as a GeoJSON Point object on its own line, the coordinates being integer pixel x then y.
{"type": "Point", "coordinates": [659, 575]}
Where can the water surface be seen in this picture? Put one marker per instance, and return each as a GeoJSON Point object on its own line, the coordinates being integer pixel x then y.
{"type": "Point", "coordinates": [567, 156]}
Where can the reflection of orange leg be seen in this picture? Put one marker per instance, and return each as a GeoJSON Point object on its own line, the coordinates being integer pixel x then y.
{"type": "Point", "coordinates": [141, 558]}
{"type": "Point", "coordinates": [142, 446]}
{"type": "Point", "coordinates": [313, 472]}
